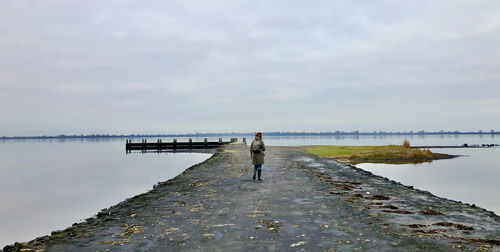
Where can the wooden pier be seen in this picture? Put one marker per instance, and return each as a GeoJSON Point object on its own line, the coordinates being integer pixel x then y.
{"type": "Point", "coordinates": [160, 146]}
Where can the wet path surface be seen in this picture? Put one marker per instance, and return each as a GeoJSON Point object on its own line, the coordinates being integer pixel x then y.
{"type": "Point", "coordinates": [303, 203]}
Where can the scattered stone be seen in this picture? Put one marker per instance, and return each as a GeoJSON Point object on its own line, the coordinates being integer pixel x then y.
{"type": "Point", "coordinates": [272, 226]}
{"type": "Point", "coordinates": [131, 230]}
{"type": "Point", "coordinates": [171, 230]}
{"type": "Point", "coordinates": [380, 197]}
{"type": "Point", "coordinates": [119, 242]}
{"type": "Point", "coordinates": [430, 212]}
{"type": "Point", "coordinates": [492, 242]}
{"type": "Point", "coordinates": [389, 207]}
{"type": "Point", "coordinates": [208, 235]}
{"type": "Point", "coordinates": [397, 211]}
{"type": "Point", "coordinates": [103, 212]}
{"type": "Point", "coordinates": [454, 225]}
{"type": "Point", "coordinates": [415, 225]}
{"type": "Point", "coordinates": [338, 192]}
{"type": "Point", "coordinates": [432, 231]}
{"type": "Point", "coordinates": [56, 232]}
{"type": "Point", "coordinates": [297, 244]}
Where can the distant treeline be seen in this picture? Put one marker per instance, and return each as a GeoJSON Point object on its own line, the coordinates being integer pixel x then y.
{"type": "Point", "coordinates": [275, 133]}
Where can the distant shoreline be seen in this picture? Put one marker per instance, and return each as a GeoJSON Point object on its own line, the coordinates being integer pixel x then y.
{"type": "Point", "coordinates": [336, 133]}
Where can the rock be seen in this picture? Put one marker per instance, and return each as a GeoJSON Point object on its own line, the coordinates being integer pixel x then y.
{"type": "Point", "coordinates": [380, 197]}
{"type": "Point", "coordinates": [56, 232]}
{"type": "Point", "coordinates": [430, 212]}
{"type": "Point", "coordinates": [415, 225]}
{"type": "Point", "coordinates": [8, 248]}
{"type": "Point", "coordinates": [397, 211]}
{"type": "Point", "coordinates": [454, 225]}
{"type": "Point", "coordinates": [389, 207]}
{"type": "Point", "coordinates": [42, 238]}
{"type": "Point", "coordinates": [103, 212]}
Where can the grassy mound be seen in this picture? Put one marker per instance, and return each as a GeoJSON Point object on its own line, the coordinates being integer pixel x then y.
{"type": "Point", "coordinates": [391, 154]}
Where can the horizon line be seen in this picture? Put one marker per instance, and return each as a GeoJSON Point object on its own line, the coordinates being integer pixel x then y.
{"type": "Point", "coordinates": [269, 133]}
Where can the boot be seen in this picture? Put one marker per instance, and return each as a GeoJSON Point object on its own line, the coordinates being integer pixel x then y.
{"type": "Point", "coordinates": [254, 176]}
{"type": "Point", "coordinates": [254, 171]}
{"type": "Point", "coordinates": [260, 172]}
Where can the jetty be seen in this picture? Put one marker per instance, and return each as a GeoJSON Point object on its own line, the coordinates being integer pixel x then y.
{"type": "Point", "coordinates": [303, 203]}
{"type": "Point", "coordinates": [160, 146]}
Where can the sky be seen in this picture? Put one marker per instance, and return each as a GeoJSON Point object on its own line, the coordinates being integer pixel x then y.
{"type": "Point", "coordinates": [123, 66]}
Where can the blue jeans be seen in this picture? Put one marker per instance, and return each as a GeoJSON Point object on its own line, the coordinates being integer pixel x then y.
{"type": "Point", "coordinates": [257, 167]}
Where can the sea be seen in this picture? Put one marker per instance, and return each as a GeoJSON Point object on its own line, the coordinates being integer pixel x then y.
{"type": "Point", "coordinates": [49, 184]}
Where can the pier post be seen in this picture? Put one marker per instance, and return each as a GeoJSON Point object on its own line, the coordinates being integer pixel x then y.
{"type": "Point", "coordinates": [245, 140]}
{"type": "Point", "coordinates": [127, 146]}
{"type": "Point", "coordinates": [220, 140]}
{"type": "Point", "coordinates": [190, 143]}
{"type": "Point", "coordinates": [175, 143]}
{"type": "Point", "coordinates": [205, 141]}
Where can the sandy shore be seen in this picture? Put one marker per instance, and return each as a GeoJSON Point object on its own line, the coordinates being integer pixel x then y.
{"type": "Point", "coordinates": [304, 202]}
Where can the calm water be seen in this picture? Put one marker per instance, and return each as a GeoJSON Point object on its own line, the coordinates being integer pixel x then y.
{"type": "Point", "coordinates": [48, 185]}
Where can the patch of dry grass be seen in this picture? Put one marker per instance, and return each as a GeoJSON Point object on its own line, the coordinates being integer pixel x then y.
{"type": "Point", "coordinates": [375, 154]}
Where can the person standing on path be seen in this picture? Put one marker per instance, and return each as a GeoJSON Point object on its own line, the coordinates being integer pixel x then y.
{"type": "Point", "coordinates": [257, 149]}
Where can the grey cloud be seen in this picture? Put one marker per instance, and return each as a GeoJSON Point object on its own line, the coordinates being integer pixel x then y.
{"type": "Point", "coordinates": [177, 66]}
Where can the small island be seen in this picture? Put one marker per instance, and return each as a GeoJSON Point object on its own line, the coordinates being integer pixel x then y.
{"type": "Point", "coordinates": [388, 154]}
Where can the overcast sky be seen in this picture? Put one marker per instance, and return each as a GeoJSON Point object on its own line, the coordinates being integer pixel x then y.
{"type": "Point", "coordinates": [120, 66]}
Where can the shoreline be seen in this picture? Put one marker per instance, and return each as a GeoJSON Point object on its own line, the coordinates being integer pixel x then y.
{"type": "Point", "coordinates": [187, 212]}
{"type": "Point", "coordinates": [398, 161]}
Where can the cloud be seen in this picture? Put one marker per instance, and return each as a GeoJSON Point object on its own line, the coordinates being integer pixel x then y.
{"type": "Point", "coordinates": [240, 65]}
